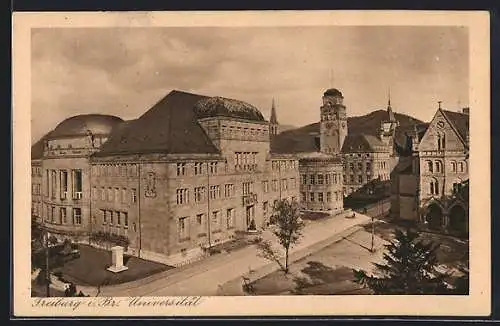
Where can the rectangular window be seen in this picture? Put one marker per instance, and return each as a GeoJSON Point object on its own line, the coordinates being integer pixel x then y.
{"type": "Point", "coordinates": [77, 184]}
{"type": "Point", "coordinates": [47, 182]}
{"type": "Point", "coordinates": [94, 193]}
{"type": "Point", "coordinates": [265, 207]}
{"type": "Point", "coordinates": [183, 228]}
{"type": "Point", "coordinates": [360, 166]}
{"type": "Point", "coordinates": [352, 178]}
{"type": "Point", "coordinates": [104, 216]}
{"type": "Point", "coordinates": [124, 195]}
{"type": "Point", "coordinates": [182, 196]}
{"type": "Point", "coordinates": [293, 183]}
{"type": "Point", "coordinates": [304, 179]}
{"type": "Point", "coordinates": [327, 179]}
{"type": "Point", "coordinates": [110, 194]}
{"type": "Point", "coordinates": [351, 166]}
{"type": "Point", "coordinates": [368, 166]}
{"type": "Point", "coordinates": [117, 194]}
{"type": "Point", "coordinates": [320, 197]}
{"type": "Point", "coordinates": [199, 194]}
{"type": "Point", "coordinates": [275, 185]}
{"type": "Point", "coordinates": [125, 219]}
{"type": "Point", "coordinates": [320, 179]}
{"type": "Point", "coordinates": [103, 194]}
{"type": "Point", "coordinates": [311, 196]}
{"type": "Point", "coordinates": [213, 167]}
{"type": "Point", "coordinates": [228, 190]}
{"type": "Point", "coordinates": [265, 186]}
{"type": "Point", "coordinates": [181, 169]}
{"type": "Point", "coordinates": [62, 213]}
{"type": "Point", "coordinates": [247, 188]}
{"type": "Point", "coordinates": [63, 176]}
{"type": "Point", "coordinates": [328, 197]}
{"type": "Point", "coordinates": [214, 192]}
{"type": "Point", "coordinates": [111, 217]}
{"type": "Point", "coordinates": [77, 216]}
{"type": "Point", "coordinates": [54, 183]}
{"type": "Point", "coordinates": [216, 219]}
{"type": "Point", "coordinates": [118, 218]}
{"type": "Point", "coordinates": [52, 214]}
{"type": "Point", "coordinates": [312, 179]}
{"type": "Point", "coordinates": [360, 179]}
{"type": "Point", "coordinates": [198, 168]}
{"type": "Point", "coordinates": [304, 199]}
{"type": "Point", "coordinates": [230, 218]}
{"type": "Point", "coordinates": [284, 184]}
{"type": "Point", "coordinates": [133, 195]}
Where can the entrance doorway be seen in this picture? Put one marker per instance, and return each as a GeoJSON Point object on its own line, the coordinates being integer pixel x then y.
{"type": "Point", "coordinates": [434, 216]}
{"type": "Point", "coordinates": [250, 214]}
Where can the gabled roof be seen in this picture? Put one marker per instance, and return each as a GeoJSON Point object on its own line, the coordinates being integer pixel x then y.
{"type": "Point", "coordinates": [361, 143]}
{"type": "Point", "coordinates": [460, 121]}
{"type": "Point", "coordinates": [170, 126]}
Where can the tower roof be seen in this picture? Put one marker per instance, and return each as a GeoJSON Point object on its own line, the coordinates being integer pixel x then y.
{"type": "Point", "coordinates": [273, 119]}
{"type": "Point", "coordinates": [333, 92]}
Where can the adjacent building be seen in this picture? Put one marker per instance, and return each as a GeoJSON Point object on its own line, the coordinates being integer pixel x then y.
{"type": "Point", "coordinates": [430, 183]}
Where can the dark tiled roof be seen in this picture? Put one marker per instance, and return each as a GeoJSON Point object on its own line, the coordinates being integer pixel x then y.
{"type": "Point", "coordinates": [332, 92]}
{"type": "Point", "coordinates": [82, 124]}
{"type": "Point", "coordinates": [300, 140]}
{"type": "Point", "coordinates": [170, 126]}
{"type": "Point", "coordinates": [460, 121]}
{"type": "Point", "coordinates": [37, 148]}
{"type": "Point", "coordinates": [361, 143]}
{"type": "Point", "coordinates": [225, 107]}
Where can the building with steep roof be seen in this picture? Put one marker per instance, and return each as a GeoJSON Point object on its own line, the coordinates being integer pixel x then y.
{"type": "Point", "coordinates": [429, 186]}
{"type": "Point", "coordinates": [189, 173]}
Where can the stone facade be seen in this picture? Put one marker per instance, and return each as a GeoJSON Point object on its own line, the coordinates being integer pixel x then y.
{"type": "Point", "coordinates": [321, 183]}
{"type": "Point", "coordinates": [429, 184]}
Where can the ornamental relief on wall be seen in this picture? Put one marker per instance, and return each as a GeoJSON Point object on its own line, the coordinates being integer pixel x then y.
{"type": "Point", "coordinates": [150, 190]}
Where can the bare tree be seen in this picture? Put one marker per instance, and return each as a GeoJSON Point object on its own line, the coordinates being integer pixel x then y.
{"type": "Point", "coordinates": [287, 228]}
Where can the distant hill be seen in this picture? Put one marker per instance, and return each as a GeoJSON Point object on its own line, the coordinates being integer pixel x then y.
{"type": "Point", "coordinates": [303, 139]}
{"type": "Point", "coordinates": [286, 127]}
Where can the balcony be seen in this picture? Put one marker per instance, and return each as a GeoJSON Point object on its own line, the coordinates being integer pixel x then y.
{"type": "Point", "coordinates": [249, 199]}
{"type": "Point", "coordinates": [77, 195]}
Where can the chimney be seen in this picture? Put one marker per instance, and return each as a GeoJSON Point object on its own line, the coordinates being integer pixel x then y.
{"type": "Point", "coordinates": [465, 111]}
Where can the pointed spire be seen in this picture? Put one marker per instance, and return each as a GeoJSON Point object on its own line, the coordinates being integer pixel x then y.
{"type": "Point", "coordinates": [273, 118]}
{"type": "Point", "coordinates": [439, 104]}
{"type": "Point", "coordinates": [392, 118]}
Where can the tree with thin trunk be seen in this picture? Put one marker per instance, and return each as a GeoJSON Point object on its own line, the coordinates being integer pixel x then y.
{"type": "Point", "coordinates": [287, 228]}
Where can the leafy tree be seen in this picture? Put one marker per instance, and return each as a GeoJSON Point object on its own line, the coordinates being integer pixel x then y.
{"type": "Point", "coordinates": [287, 229]}
{"type": "Point", "coordinates": [410, 268]}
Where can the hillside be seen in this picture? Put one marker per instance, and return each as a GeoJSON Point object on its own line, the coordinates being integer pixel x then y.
{"type": "Point", "coordinates": [304, 139]}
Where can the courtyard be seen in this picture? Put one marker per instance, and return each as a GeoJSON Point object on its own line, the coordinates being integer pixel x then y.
{"type": "Point", "coordinates": [90, 269]}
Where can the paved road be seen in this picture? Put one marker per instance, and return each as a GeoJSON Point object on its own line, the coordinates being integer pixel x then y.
{"type": "Point", "coordinates": [204, 278]}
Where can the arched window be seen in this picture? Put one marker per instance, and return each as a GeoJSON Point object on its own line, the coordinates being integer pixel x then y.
{"type": "Point", "coordinates": [443, 141]}
{"type": "Point", "coordinates": [461, 166]}
{"type": "Point", "coordinates": [439, 141]}
{"type": "Point", "coordinates": [439, 166]}
{"type": "Point", "coordinates": [453, 166]}
{"type": "Point", "coordinates": [434, 187]}
{"type": "Point", "coordinates": [429, 166]}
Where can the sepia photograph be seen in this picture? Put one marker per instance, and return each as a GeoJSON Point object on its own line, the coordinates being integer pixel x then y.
{"type": "Point", "coordinates": [174, 163]}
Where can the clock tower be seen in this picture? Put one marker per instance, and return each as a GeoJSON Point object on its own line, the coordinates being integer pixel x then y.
{"type": "Point", "coordinates": [333, 125]}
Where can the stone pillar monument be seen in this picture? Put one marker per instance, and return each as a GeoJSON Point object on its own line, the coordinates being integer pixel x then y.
{"type": "Point", "coordinates": [117, 260]}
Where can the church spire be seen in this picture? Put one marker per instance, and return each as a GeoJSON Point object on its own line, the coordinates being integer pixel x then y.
{"type": "Point", "coordinates": [392, 118]}
{"type": "Point", "coordinates": [273, 118]}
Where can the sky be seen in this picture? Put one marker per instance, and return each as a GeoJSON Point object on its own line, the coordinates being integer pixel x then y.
{"type": "Point", "coordinates": [124, 71]}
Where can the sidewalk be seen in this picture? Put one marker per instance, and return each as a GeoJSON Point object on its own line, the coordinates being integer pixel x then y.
{"type": "Point", "coordinates": [207, 276]}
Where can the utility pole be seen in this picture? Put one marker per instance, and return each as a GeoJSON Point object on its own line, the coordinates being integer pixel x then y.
{"type": "Point", "coordinates": [47, 271]}
{"type": "Point", "coordinates": [373, 234]}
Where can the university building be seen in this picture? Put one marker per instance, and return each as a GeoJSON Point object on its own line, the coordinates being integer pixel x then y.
{"type": "Point", "coordinates": [189, 173]}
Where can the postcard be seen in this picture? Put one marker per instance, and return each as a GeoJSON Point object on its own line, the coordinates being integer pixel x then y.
{"type": "Point", "coordinates": [274, 163]}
